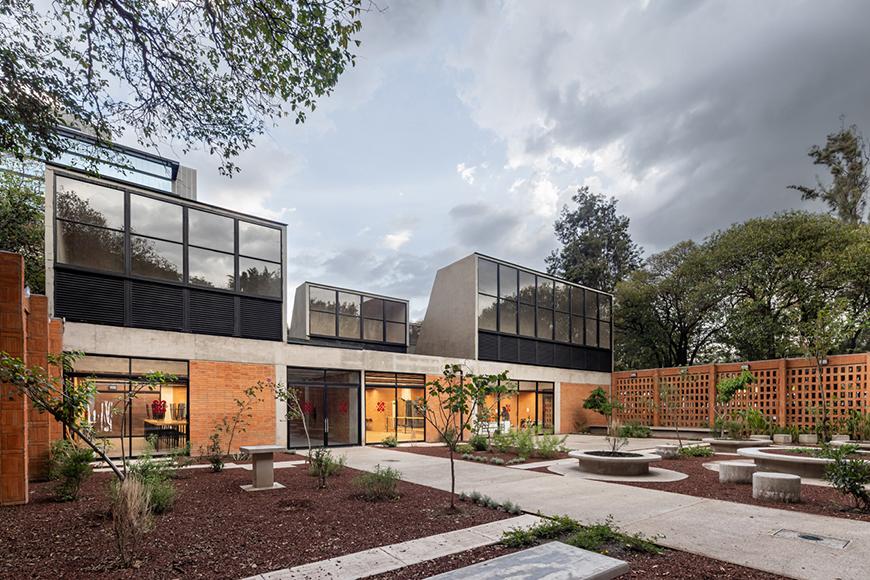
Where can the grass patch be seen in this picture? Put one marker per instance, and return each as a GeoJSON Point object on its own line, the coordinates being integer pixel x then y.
{"type": "Point", "coordinates": [696, 451]}
{"type": "Point", "coordinates": [603, 537]}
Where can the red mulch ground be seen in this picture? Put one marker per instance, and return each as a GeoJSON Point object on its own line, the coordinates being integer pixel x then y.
{"type": "Point", "coordinates": [703, 482]}
{"type": "Point", "coordinates": [671, 564]}
{"type": "Point", "coordinates": [442, 451]}
{"type": "Point", "coordinates": [216, 530]}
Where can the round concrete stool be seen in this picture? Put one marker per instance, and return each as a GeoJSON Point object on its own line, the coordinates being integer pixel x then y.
{"type": "Point", "coordinates": [736, 471]}
{"type": "Point", "coordinates": [782, 487]}
{"type": "Point", "coordinates": [667, 451]}
{"type": "Point", "coordinates": [782, 439]}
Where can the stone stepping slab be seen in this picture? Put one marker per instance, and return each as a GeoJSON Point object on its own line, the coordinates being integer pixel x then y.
{"type": "Point", "coordinates": [395, 556]}
{"type": "Point", "coordinates": [552, 560]}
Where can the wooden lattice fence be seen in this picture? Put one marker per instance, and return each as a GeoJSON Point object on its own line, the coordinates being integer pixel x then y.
{"type": "Point", "coordinates": [785, 390]}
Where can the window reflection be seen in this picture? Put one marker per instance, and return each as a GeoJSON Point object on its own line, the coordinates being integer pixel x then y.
{"type": "Point", "coordinates": [259, 241]}
{"type": "Point", "coordinates": [396, 333]}
{"type": "Point", "coordinates": [155, 218]}
{"type": "Point", "coordinates": [507, 277]}
{"type": "Point", "coordinates": [259, 277]}
{"type": "Point", "coordinates": [487, 277]}
{"type": "Point", "coordinates": [156, 258]}
{"type": "Point", "coordinates": [90, 247]}
{"type": "Point", "coordinates": [321, 299]}
{"type": "Point", "coordinates": [211, 269]}
{"type": "Point", "coordinates": [394, 311]}
{"type": "Point", "coordinates": [545, 324]}
{"type": "Point", "coordinates": [210, 230]}
{"type": "Point", "coordinates": [486, 312]}
{"type": "Point", "coordinates": [322, 323]}
{"type": "Point", "coordinates": [89, 203]}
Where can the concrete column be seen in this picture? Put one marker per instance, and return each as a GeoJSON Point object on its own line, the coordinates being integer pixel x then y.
{"type": "Point", "coordinates": [281, 408]}
{"type": "Point", "coordinates": [557, 408]}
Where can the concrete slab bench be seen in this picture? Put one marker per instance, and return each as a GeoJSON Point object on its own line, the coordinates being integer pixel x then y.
{"type": "Point", "coordinates": [262, 456]}
{"type": "Point", "coordinates": [782, 487]}
{"type": "Point", "coordinates": [736, 471]}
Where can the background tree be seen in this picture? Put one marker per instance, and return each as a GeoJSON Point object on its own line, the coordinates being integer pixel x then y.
{"type": "Point", "coordinates": [597, 249]}
{"type": "Point", "coordinates": [22, 228]}
{"type": "Point", "coordinates": [846, 157]}
{"type": "Point", "coordinates": [213, 73]}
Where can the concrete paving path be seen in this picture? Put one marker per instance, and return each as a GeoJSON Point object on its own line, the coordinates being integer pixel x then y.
{"type": "Point", "coordinates": [395, 556]}
{"type": "Point", "coordinates": [737, 533]}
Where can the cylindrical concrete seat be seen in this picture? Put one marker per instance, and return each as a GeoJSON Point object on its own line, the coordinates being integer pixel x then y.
{"type": "Point", "coordinates": [782, 439]}
{"type": "Point", "coordinates": [736, 471]}
{"type": "Point", "coordinates": [667, 451]}
{"type": "Point", "coordinates": [782, 487]}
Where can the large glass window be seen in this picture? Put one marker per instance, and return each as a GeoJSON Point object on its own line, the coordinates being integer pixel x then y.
{"type": "Point", "coordinates": [88, 203]}
{"type": "Point", "coordinates": [156, 258]}
{"type": "Point", "coordinates": [329, 401]}
{"type": "Point", "coordinates": [530, 405]}
{"type": "Point", "coordinates": [562, 327]}
{"type": "Point", "coordinates": [487, 319]}
{"type": "Point", "coordinates": [357, 316]}
{"type": "Point", "coordinates": [211, 269]}
{"type": "Point", "coordinates": [545, 293]}
{"type": "Point", "coordinates": [90, 247]}
{"type": "Point", "coordinates": [507, 282]}
{"type": "Point", "coordinates": [507, 312]}
{"type": "Point", "coordinates": [391, 407]}
{"type": "Point", "coordinates": [527, 320]}
{"type": "Point", "coordinates": [209, 230]}
{"type": "Point", "coordinates": [259, 277]}
{"type": "Point", "coordinates": [487, 277]}
{"type": "Point", "coordinates": [527, 287]}
{"type": "Point", "coordinates": [156, 219]}
{"type": "Point", "coordinates": [259, 241]}
{"type": "Point", "coordinates": [158, 413]}
{"type": "Point", "coordinates": [545, 324]}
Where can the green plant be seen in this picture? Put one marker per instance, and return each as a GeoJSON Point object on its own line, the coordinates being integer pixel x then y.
{"type": "Point", "coordinates": [71, 466]}
{"type": "Point", "coordinates": [857, 425]}
{"type": "Point", "coordinates": [323, 465]}
{"type": "Point", "coordinates": [515, 461]}
{"type": "Point", "coordinates": [479, 442]}
{"type": "Point", "coordinates": [524, 441]}
{"type": "Point", "coordinates": [496, 460]}
{"type": "Point", "coordinates": [756, 422]}
{"type": "Point", "coordinates": [634, 429]}
{"type": "Point", "coordinates": [696, 451]}
{"type": "Point", "coordinates": [511, 508]}
{"type": "Point", "coordinates": [475, 496]}
{"type": "Point", "coordinates": [491, 504]}
{"type": "Point", "coordinates": [156, 476]}
{"type": "Point", "coordinates": [390, 441]}
{"type": "Point", "coordinates": [464, 449]}
{"type": "Point", "coordinates": [726, 389]}
{"type": "Point", "coordinates": [131, 516]}
{"type": "Point", "coordinates": [601, 403]}
{"type": "Point", "coordinates": [849, 476]}
{"type": "Point", "coordinates": [549, 445]}
{"type": "Point", "coordinates": [379, 485]}
{"type": "Point", "coordinates": [596, 537]}
{"type": "Point", "coordinates": [503, 441]}
{"type": "Point", "coordinates": [547, 529]}
{"type": "Point", "coordinates": [214, 452]}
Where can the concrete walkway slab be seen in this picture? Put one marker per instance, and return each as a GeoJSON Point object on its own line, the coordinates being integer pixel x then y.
{"type": "Point", "coordinates": [554, 560]}
{"type": "Point", "coordinates": [737, 533]}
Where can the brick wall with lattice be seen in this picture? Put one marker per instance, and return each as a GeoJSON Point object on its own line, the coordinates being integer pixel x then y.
{"type": "Point", "coordinates": [785, 391]}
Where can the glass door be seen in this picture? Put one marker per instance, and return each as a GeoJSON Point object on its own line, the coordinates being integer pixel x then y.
{"type": "Point", "coordinates": [342, 416]}
{"type": "Point", "coordinates": [311, 401]}
{"type": "Point", "coordinates": [330, 406]}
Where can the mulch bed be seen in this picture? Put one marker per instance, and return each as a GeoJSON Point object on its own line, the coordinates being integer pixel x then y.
{"type": "Point", "coordinates": [703, 482]}
{"type": "Point", "coordinates": [217, 530]}
{"type": "Point", "coordinates": [442, 451]}
{"type": "Point", "coordinates": [671, 564]}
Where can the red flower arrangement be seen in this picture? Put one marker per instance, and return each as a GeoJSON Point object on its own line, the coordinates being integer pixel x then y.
{"type": "Point", "coordinates": [158, 409]}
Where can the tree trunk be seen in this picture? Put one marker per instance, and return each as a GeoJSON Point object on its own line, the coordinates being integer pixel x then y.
{"type": "Point", "coordinates": [452, 481]}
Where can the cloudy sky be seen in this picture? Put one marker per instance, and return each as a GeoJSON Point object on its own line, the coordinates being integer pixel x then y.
{"type": "Point", "coordinates": [467, 125]}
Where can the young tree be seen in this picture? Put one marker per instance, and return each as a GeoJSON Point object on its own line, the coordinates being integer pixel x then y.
{"type": "Point", "coordinates": [292, 397]}
{"type": "Point", "coordinates": [213, 73]}
{"type": "Point", "coordinates": [600, 402]}
{"type": "Point", "coordinates": [597, 249]}
{"type": "Point", "coordinates": [726, 389]}
{"type": "Point", "coordinates": [450, 403]}
{"type": "Point", "coordinates": [847, 158]}
{"type": "Point", "coordinates": [22, 228]}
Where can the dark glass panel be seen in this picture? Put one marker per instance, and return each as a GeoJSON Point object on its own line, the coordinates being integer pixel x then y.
{"type": "Point", "coordinates": [604, 334]}
{"type": "Point", "coordinates": [155, 218]}
{"type": "Point", "coordinates": [507, 316]}
{"type": "Point", "coordinates": [342, 377]}
{"type": "Point", "coordinates": [322, 323]}
{"type": "Point", "coordinates": [577, 330]}
{"type": "Point", "coordinates": [577, 301]}
{"type": "Point", "coordinates": [563, 297]}
{"type": "Point", "coordinates": [143, 366]}
{"type": "Point", "coordinates": [259, 241]}
{"type": "Point", "coordinates": [259, 277]}
{"type": "Point", "coordinates": [212, 269]}
{"type": "Point", "coordinates": [210, 230]}
{"type": "Point", "coordinates": [591, 332]}
{"type": "Point", "coordinates": [527, 385]}
{"type": "Point", "coordinates": [546, 387]}
{"type": "Point", "coordinates": [527, 287]}
{"type": "Point", "coordinates": [527, 320]}
{"type": "Point", "coordinates": [90, 247]}
{"type": "Point", "coordinates": [591, 304]}
{"type": "Point", "coordinates": [486, 312]}
{"type": "Point", "coordinates": [102, 364]}
{"type": "Point", "coordinates": [348, 326]}
{"type": "Point", "coordinates": [487, 277]}
{"type": "Point", "coordinates": [373, 307]}
{"type": "Point", "coordinates": [298, 375]}
{"type": "Point", "coordinates": [604, 307]}
{"type": "Point", "coordinates": [562, 327]}
{"type": "Point", "coordinates": [373, 329]}
{"type": "Point", "coordinates": [507, 282]}
{"type": "Point", "coordinates": [396, 333]}
{"type": "Point", "coordinates": [89, 203]}
{"type": "Point", "coordinates": [321, 299]}
{"type": "Point", "coordinates": [545, 292]}
{"type": "Point", "coordinates": [545, 323]}
{"type": "Point", "coordinates": [157, 259]}
{"type": "Point", "coordinates": [394, 311]}
{"type": "Point", "coordinates": [349, 304]}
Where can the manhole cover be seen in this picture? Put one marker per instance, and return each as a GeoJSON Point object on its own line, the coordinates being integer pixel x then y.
{"type": "Point", "coordinates": [826, 541]}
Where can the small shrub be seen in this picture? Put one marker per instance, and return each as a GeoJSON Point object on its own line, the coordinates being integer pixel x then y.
{"type": "Point", "coordinates": [70, 465]}
{"type": "Point", "coordinates": [515, 461]}
{"type": "Point", "coordinates": [496, 460]}
{"type": "Point", "coordinates": [849, 476]}
{"type": "Point", "coordinates": [596, 537]}
{"type": "Point", "coordinates": [463, 496]}
{"type": "Point", "coordinates": [479, 442]}
{"type": "Point", "coordinates": [635, 430]}
{"type": "Point", "coordinates": [464, 449]}
{"type": "Point", "coordinates": [475, 496]}
{"type": "Point", "coordinates": [390, 441]}
{"type": "Point", "coordinates": [524, 441]}
{"type": "Point", "coordinates": [549, 445]}
{"type": "Point", "coordinates": [511, 508]}
{"type": "Point", "coordinates": [379, 485]}
{"type": "Point", "coordinates": [156, 477]}
{"type": "Point", "coordinates": [323, 465]}
{"type": "Point", "coordinates": [503, 442]}
{"type": "Point", "coordinates": [547, 529]}
{"type": "Point", "coordinates": [214, 452]}
{"type": "Point", "coordinates": [467, 456]}
{"type": "Point", "coordinates": [131, 517]}
{"type": "Point", "coordinates": [695, 451]}
{"type": "Point", "coordinates": [492, 504]}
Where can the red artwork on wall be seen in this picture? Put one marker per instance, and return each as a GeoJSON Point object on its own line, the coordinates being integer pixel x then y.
{"type": "Point", "coordinates": [381, 407]}
{"type": "Point", "coordinates": [342, 407]}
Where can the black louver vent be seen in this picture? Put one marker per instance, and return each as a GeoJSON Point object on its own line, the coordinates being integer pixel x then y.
{"type": "Point", "coordinates": [88, 297]}
{"type": "Point", "coordinates": [211, 312]}
{"type": "Point", "coordinates": [509, 349]}
{"type": "Point", "coordinates": [495, 347]}
{"type": "Point", "coordinates": [528, 351]}
{"type": "Point", "coordinates": [260, 319]}
{"type": "Point", "coordinates": [562, 356]}
{"type": "Point", "coordinates": [157, 306]}
{"type": "Point", "coordinates": [488, 346]}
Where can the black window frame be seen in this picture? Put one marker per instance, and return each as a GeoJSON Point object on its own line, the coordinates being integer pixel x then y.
{"type": "Point", "coordinates": [360, 316]}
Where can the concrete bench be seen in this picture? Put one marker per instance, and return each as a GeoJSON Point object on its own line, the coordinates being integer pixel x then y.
{"type": "Point", "coordinates": [736, 471]}
{"type": "Point", "coordinates": [262, 457]}
{"type": "Point", "coordinates": [782, 487]}
{"type": "Point", "coordinates": [667, 451]}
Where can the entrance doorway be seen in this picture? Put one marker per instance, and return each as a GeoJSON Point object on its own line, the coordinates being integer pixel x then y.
{"type": "Point", "coordinates": [330, 406]}
{"type": "Point", "coordinates": [392, 407]}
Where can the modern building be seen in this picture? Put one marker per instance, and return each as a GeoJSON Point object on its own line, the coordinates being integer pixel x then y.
{"type": "Point", "coordinates": [146, 277]}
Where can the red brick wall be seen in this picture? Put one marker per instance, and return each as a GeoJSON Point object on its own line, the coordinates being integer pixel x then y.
{"type": "Point", "coordinates": [38, 422]}
{"type": "Point", "coordinates": [214, 387]}
{"type": "Point", "coordinates": [571, 412]}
